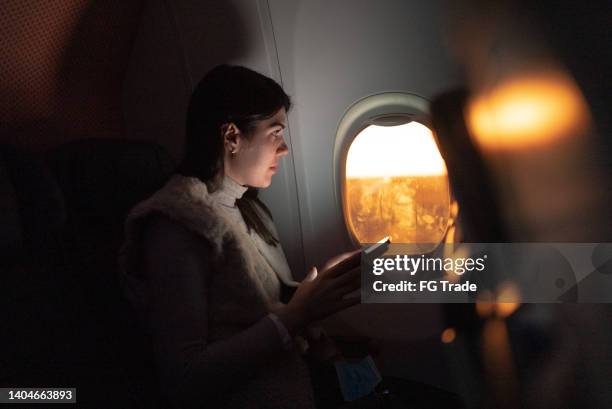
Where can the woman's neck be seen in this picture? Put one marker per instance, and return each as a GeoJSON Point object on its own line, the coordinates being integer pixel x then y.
{"type": "Point", "coordinates": [228, 192]}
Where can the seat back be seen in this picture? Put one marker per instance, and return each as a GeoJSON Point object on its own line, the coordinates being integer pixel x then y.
{"type": "Point", "coordinates": [33, 290]}
{"type": "Point", "coordinates": [101, 180]}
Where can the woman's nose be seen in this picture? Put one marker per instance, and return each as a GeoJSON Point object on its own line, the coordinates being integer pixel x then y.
{"type": "Point", "coordinates": [282, 149]}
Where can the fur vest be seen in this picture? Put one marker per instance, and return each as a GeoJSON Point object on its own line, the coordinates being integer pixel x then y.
{"type": "Point", "coordinates": [241, 290]}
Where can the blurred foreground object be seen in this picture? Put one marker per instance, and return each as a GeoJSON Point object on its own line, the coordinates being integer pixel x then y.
{"type": "Point", "coordinates": [533, 114]}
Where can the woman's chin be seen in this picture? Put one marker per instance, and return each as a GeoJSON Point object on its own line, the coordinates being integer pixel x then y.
{"type": "Point", "coordinates": [262, 184]}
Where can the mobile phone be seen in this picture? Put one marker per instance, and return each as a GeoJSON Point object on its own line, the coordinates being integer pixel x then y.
{"type": "Point", "coordinates": [377, 248]}
{"type": "Point", "coordinates": [354, 260]}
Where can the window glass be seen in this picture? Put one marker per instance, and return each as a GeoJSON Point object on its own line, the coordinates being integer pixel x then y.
{"type": "Point", "coordinates": [396, 185]}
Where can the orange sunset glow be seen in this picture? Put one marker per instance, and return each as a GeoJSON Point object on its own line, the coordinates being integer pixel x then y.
{"type": "Point", "coordinates": [527, 111]}
{"type": "Point", "coordinates": [397, 185]}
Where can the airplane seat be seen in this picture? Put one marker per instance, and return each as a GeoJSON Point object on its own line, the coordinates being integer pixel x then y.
{"type": "Point", "coordinates": [472, 186]}
{"type": "Point", "coordinates": [102, 179]}
{"type": "Point", "coordinates": [33, 292]}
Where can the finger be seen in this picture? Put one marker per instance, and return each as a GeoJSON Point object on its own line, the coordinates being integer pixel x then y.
{"type": "Point", "coordinates": [312, 274]}
{"type": "Point", "coordinates": [341, 290]}
{"type": "Point", "coordinates": [349, 276]}
{"type": "Point", "coordinates": [339, 286]}
{"type": "Point", "coordinates": [352, 261]}
{"type": "Point", "coordinates": [335, 260]}
{"type": "Point", "coordinates": [341, 257]}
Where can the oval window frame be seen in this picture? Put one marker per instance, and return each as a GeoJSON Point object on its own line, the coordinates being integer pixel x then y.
{"type": "Point", "coordinates": [383, 109]}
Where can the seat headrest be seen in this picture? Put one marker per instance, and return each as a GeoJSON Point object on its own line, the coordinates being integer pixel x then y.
{"type": "Point", "coordinates": [103, 178]}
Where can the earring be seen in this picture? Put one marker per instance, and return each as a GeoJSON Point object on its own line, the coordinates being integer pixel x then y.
{"type": "Point", "coordinates": [233, 151]}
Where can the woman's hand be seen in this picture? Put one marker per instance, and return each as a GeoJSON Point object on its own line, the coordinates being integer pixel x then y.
{"type": "Point", "coordinates": [336, 259]}
{"type": "Point", "coordinates": [321, 295]}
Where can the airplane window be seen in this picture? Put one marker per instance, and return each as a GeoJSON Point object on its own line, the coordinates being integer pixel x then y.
{"type": "Point", "coordinates": [396, 184]}
{"type": "Point", "coordinates": [389, 177]}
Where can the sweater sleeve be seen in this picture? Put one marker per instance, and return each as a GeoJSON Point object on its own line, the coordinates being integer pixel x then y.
{"type": "Point", "coordinates": [191, 370]}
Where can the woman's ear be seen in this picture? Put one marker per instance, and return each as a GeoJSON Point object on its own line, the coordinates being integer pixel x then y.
{"type": "Point", "coordinates": [231, 136]}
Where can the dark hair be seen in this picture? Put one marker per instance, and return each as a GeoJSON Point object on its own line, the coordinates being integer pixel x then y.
{"type": "Point", "coordinates": [229, 94]}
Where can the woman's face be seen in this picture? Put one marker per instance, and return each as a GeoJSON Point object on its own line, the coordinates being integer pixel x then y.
{"type": "Point", "coordinates": [256, 158]}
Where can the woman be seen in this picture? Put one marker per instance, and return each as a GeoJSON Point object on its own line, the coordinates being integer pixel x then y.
{"type": "Point", "coordinates": [203, 265]}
